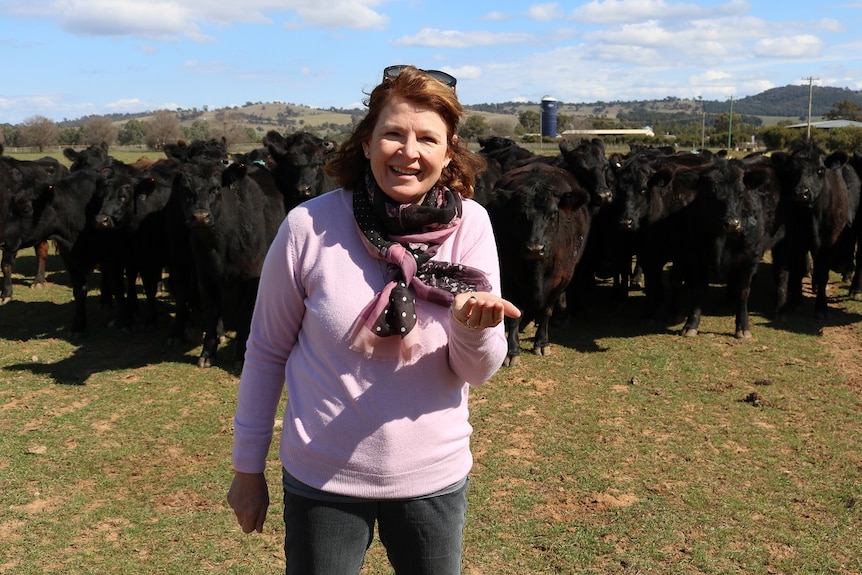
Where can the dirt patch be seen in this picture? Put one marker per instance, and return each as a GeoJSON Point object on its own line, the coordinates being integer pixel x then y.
{"type": "Point", "coordinates": [845, 344]}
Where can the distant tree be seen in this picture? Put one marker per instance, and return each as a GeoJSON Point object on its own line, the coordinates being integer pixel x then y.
{"type": "Point", "coordinates": [132, 133]}
{"type": "Point", "coordinates": [39, 132]}
{"type": "Point", "coordinates": [100, 129]}
{"type": "Point", "coordinates": [845, 110]}
{"type": "Point", "coordinates": [475, 126]}
{"type": "Point", "coordinates": [9, 135]}
{"type": "Point", "coordinates": [565, 122]}
{"type": "Point", "coordinates": [227, 126]}
{"type": "Point", "coordinates": [531, 121]}
{"type": "Point", "coordinates": [251, 135]}
{"type": "Point", "coordinates": [198, 130]}
{"type": "Point", "coordinates": [847, 139]}
{"type": "Point", "coordinates": [72, 136]}
{"type": "Point", "coordinates": [163, 127]}
{"type": "Point", "coordinates": [502, 127]}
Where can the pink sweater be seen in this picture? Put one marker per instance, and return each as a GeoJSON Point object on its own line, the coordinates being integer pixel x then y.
{"type": "Point", "coordinates": [370, 428]}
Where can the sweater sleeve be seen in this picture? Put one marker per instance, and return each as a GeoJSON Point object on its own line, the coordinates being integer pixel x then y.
{"type": "Point", "coordinates": [477, 355]}
{"type": "Point", "coordinates": [274, 330]}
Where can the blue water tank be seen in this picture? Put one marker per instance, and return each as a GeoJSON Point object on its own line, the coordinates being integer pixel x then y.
{"type": "Point", "coordinates": [549, 117]}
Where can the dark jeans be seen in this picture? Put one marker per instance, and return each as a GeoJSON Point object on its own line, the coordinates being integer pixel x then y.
{"type": "Point", "coordinates": [421, 536]}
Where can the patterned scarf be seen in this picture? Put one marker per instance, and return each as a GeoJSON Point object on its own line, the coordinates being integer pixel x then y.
{"type": "Point", "coordinates": [406, 236]}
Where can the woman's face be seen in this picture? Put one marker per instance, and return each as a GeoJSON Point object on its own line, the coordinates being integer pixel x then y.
{"type": "Point", "coordinates": [408, 150]}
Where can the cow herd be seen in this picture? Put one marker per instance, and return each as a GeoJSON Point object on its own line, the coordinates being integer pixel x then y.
{"type": "Point", "coordinates": [677, 220]}
{"type": "Point", "coordinates": [204, 216]}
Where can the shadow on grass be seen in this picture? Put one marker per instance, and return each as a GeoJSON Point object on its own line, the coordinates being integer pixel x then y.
{"type": "Point", "coordinates": [603, 318]}
{"type": "Point", "coordinates": [101, 348]}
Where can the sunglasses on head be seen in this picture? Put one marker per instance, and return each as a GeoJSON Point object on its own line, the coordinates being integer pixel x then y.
{"type": "Point", "coordinates": [440, 76]}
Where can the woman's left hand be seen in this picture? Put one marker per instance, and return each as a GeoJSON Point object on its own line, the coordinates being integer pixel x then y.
{"type": "Point", "coordinates": [481, 310]}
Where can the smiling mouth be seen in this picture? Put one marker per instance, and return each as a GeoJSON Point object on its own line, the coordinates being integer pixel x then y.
{"type": "Point", "coordinates": [404, 171]}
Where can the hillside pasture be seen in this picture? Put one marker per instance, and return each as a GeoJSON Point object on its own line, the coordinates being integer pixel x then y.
{"type": "Point", "coordinates": [629, 450]}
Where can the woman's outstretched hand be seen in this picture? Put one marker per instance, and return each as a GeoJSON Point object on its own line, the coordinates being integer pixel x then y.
{"type": "Point", "coordinates": [481, 310]}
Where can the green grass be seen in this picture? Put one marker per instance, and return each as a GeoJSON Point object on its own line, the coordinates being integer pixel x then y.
{"type": "Point", "coordinates": [629, 450]}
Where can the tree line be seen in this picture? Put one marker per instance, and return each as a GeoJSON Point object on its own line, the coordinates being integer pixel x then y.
{"type": "Point", "coordinates": [682, 128]}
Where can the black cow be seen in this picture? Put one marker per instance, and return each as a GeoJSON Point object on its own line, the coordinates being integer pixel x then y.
{"type": "Point", "coordinates": [541, 220]}
{"type": "Point", "coordinates": [814, 182]}
{"type": "Point", "coordinates": [232, 219]}
{"type": "Point", "coordinates": [505, 150]}
{"type": "Point", "coordinates": [735, 216]}
{"type": "Point", "coordinates": [16, 175]}
{"type": "Point", "coordinates": [133, 212]}
{"type": "Point", "coordinates": [65, 212]}
{"type": "Point", "coordinates": [590, 166]}
{"type": "Point", "coordinates": [855, 265]}
{"type": "Point", "coordinates": [299, 165]}
{"type": "Point", "coordinates": [657, 191]}
{"type": "Point", "coordinates": [94, 157]}
{"type": "Point", "coordinates": [487, 180]}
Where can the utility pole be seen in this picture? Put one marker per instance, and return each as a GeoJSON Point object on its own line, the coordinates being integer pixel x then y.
{"type": "Point", "coordinates": [730, 123]}
{"type": "Point", "coordinates": [810, 94]}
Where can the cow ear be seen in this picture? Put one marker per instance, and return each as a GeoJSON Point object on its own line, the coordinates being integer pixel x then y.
{"type": "Point", "coordinates": [573, 200]}
{"type": "Point", "coordinates": [106, 173]}
{"type": "Point", "coordinates": [661, 178]}
{"type": "Point", "coordinates": [234, 173]}
{"type": "Point", "coordinates": [146, 186]}
{"type": "Point", "coordinates": [70, 154]}
{"type": "Point", "coordinates": [755, 178]}
{"type": "Point", "coordinates": [836, 160]}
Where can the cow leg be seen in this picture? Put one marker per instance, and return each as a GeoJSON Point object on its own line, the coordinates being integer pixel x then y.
{"type": "Point", "coordinates": [211, 302]}
{"type": "Point", "coordinates": [739, 281]}
{"type": "Point", "coordinates": [41, 251]}
{"type": "Point", "coordinates": [8, 264]}
{"type": "Point", "coordinates": [78, 279]}
{"type": "Point", "coordinates": [856, 282]}
{"type": "Point", "coordinates": [819, 280]}
{"type": "Point", "coordinates": [247, 293]}
{"type": "Point", "coordinates": [653, 291]}
{"type": "Point", "coordinates": [150, 278]}
{"type": "Point", "coordinates": [513, 355]}
{"type": "Point", "coordinates": [541, 342]}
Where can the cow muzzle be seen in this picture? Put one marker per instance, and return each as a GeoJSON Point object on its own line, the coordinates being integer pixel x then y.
{"type": "Point", "coordinates": [104, 222]}
{"type": "Point", "coordinates": [200, 219]}
{"type": "Point", "coordinates": [534, 251]}
{"type": "Point", "coordinates": [732, 226]}
{"type": "Point", "coordinates": [803, 195]}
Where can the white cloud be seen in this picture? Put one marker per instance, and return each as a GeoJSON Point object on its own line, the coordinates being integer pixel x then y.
{"type": "Point", "coordinates": [619, 11]}
{"type": "Point", "coordinates": [171, 20]}
{"type": "Point", "coordinates": [465, 72]}
{"type": "Point", "coordinates": [335, 14]}
{"type": "Point", "coordinates": [495, 17]}
{"type": "Point", "coordinates": [430, 37]}
{"type": "Point", "coordinates": [789, 47]}
{"type": "Point", "coordinates": [545, 12]}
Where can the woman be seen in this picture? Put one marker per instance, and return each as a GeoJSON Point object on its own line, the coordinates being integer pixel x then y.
{"type": "Point", "coordinates": [378, 307]}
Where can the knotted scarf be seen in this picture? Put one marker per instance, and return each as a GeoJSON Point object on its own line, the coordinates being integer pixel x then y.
{"type": "Point", "coordinates": [406, 237]}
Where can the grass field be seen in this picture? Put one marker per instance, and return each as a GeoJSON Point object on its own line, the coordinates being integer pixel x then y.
{"type": "Point", "coordinates": [629, 450]}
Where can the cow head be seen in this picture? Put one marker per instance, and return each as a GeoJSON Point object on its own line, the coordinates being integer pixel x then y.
{"type": "Point", "coordinates": [530, 200]}
{"type": "Point", "coordinates": [806, 170]}
{"type": "Point", "coordinates": [300, 163]}
{"type": "Point", "coordinates": [93, 157]}
{"type": "Point", "coordinates": [590, 166]}
{"type": "Point", "coordinates": [118, 202]}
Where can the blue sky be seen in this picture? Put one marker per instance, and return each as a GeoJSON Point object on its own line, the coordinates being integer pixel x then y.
{"type": "Point", "coordinates": [71, 58]}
